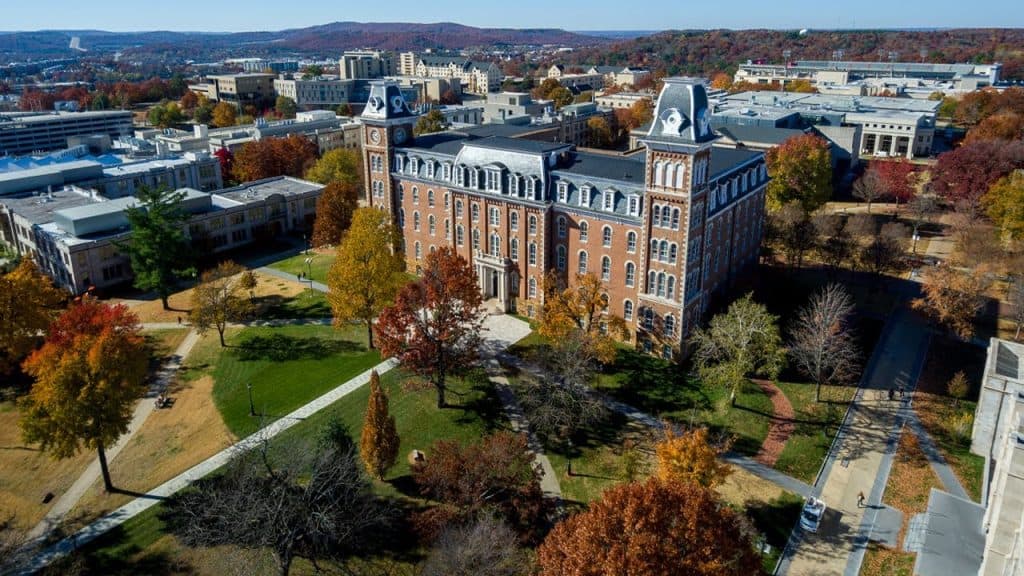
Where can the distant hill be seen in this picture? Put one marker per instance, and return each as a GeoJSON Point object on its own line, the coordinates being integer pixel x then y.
{"type": "Point", "coordinates": [707, 51]}
{"type": "Point", "coordinates": [333, 37]}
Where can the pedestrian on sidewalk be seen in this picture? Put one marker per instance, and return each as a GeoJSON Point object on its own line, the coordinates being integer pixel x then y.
{"type": "Point", "coordinates": [860, 499]}
{"type": "Point", "coordinates": [892, 393]}
{"type": "Point", "coordinates": [901, 392]}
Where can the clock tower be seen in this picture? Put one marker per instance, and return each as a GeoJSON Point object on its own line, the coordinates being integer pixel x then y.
{"type": "Point", "coordinates": [387, 122]}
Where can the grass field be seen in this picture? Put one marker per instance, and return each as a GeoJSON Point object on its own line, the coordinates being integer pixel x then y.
{"type": "Point", "coordinates": [286, 366]}
{"type": "Point", "coordinates": [817, 424]}
{"type": "Point", "coordinates": [316, 269]}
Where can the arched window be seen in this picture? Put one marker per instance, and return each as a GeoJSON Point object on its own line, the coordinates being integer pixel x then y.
{"type": "Point", "coordinates": [680, 173]}
{"type": "Point", "coordinates": [430, 198]}
{"type": "Point", "coordinates": [562, 226]}
{"type": "Point", "coordinates": [401, 217]}
{"type": "Point", "coordinates": [631, 242]}
{"type": "Point", "coordinates": [513, 221]}
{"type": "Point", "coordinates": [419, 251]}
{"type": "Point", "coordinates": [401, 193]}
{"type": "Point", "coordinates": [606, 268]}
{"type": "Point", "coordinates": [630, 274]}
{"type": "Point", "coordinates": [431, 224]}
{"type": "Point", "coordinates": [656, 216]}
{"type": "Point", "coordinates": [669, 172]}
{"type": "Point", "coordinates": [672, 250]}
{"type": "Point", "coordinates": [447, 200]}
{"type": "Point", "coordinates": [609, 200]}
{"type": "Point", "coordinates": [447, 229]}
{"type": "Point", "coordinates": [654, 248]}
{"type": "Point", "coordinates": [652, 276]}
{"type": "Point", "coordinates": [561, 257]}
{"type": "Point", "coordinates": [648, 314]}
{"type": "Point", "coordinates": [663, 251]}
{"type": "Point", "coordinates": [513, 250]}
{"type": "Point", "coordinates": [532, 290]}
{"type": "Point", "coordinates": [627, 310]}
{"type": "Point", "coordinates": [460, 236]}
{"type": "Point", "coordinates": [495, 245]}
{"type": "Point", "coordinates": [475, 212]}
{"type": "Point", "coordinates": [458, 208]}
{"type": "Point", "coordinates": [584, 231]}
{"type": "Point", "coordinates": [659, 168]}
{"type": "Point", "coordinates": [476, 239]}
{"type": "Point", "coordinates": [670, 325]}
{"type": "Point", "coordinates": [415, 195]}
{"type": "Point", "coordinates": [532, 224]}
{"type": "Point", "coordinates": [433, 248]}
{"type": "Point", "coordinates": [583, 262]}
{"type": "Point", "coordinates": [606, 237]}
{"type": "Point", "coordinates": [416, 221]}
{"type": "Point", "coordinates": [661, 285]}
{"type": "Point", "coordinates": [675, 218]}
{"type": "Point", "coordinates": [671, 287]}
{"type": "Point", "coordinates": [495, 216]}
{"type": "Point", "coordinates": [532, 254]}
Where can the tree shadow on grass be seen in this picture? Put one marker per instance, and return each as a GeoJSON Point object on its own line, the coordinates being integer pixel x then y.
{"type": "Point", "coordinates": [282, 347]}
{"type": "Point", "coordinates": [775, 518]}
{"type": "Point", "coordinates": [302, 305]}
{"type": "Point", "coordinates": [113, 555]}
{"type": "Point", "coordinates": [651, 384]}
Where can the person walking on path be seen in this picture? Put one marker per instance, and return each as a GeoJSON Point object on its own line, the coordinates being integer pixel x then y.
{"type": "Point", "coordinates": [860, 499]}
{"type": "Point", "coordinates": [892, 393]}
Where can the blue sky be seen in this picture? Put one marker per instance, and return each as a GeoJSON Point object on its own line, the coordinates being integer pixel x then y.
{"type": "Point", "coordinates": [221, 15]}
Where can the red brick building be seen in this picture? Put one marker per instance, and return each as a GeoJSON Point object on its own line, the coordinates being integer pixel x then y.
{"type": "Point", "coordinates": [665, 229]}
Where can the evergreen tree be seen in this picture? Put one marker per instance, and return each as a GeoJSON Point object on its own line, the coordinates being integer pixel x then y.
{"type": "Point", "coordinates": [159, 249]}
{"type": "Point", "coordinates": [378, 445]}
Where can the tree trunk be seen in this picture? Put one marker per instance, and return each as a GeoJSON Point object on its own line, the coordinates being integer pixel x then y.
{"type": "Point", "coordinates": [163, 300]}
{"type": "Point", "coordinates": [107, 484]}
{"type": "Point", "coordinates": [369, 334]}
{"type": "Point", "coordinates": [220, 332]}
{"type": "Point", "coordinates": [284, 562]}
{"type": "Point", "coordinates": [817, 392]}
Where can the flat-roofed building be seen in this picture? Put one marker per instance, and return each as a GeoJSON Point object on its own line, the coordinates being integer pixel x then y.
{"type": "Point", "coordinates": [316, 92]}
{"type": "Point", "coordinates": [622, 99]}
{"type": "Point", "coordinates": [969, 76]}
{"type": "Point", "coordinates": [256, 89]}
{"type": "Point", "coordinates": [22, 133]}
{"type": "Point", "coordinates": [366, 64]}
{"type": "Point", "coordinates": [73, 233]}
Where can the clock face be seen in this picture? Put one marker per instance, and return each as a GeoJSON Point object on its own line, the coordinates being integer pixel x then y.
{"type": "Point", "coordinates": [375, 136]}
{"type": "Point", "coordinates": [400, 135]}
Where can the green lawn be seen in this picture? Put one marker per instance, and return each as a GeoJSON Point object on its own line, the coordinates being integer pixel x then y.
{"type": "Point", "coordinates": [287, 367]}
{"type": "Point", "coordinates": [817, 424]}
{"type": "Point", "coordinates": [775, 519]}
{"type": "Point", "coordinates": [664, 389]}
{"type": "Point", "coordinates": [317, 268]}
{"type": "Point", "coordinates": [474, 411]}
{"type": "Point", "coordinates": [307, 304]}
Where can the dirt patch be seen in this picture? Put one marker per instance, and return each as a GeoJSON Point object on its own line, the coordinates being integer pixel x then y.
{"type": "Point", "coordinates": [171, 441]}
{"type": "Point", "coordinates": [180, 302]}
{"type": "Point", "coordinates": [741, 488]}
{"type": "Point", "coordinates": [780, 428]}
{"type": "Point", "coordinates": [27, 474]}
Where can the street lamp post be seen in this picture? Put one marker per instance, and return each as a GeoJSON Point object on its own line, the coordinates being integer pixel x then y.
{"type": "Point", "coordinates": [252, 407]}
{"type": "Point", "coordinates": [916, 237]}
{"type": "Point", "coordinates": [309, 271]}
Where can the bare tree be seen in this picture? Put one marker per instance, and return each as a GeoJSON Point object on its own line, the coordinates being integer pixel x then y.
{"type": "Point", "coordinates": [869, 187]}
{"type": "Point", "coordinates": [797, 232]}
{"type": "Point", "coordinates": [823, 345]}
{"type": "Point", "coordinates": [920, 209]}
{"type": "Point", "coordinates": [882, 254]}
{"type": "Point", "coordinates": [835, 245]}
{"type": "Point", "coordinates": [295, 500]}
{"type": "Point", "coordinates": [485, 547]}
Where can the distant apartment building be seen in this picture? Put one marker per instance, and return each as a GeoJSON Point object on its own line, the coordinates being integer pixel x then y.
{"type": "Point", "coordinates": [367, 64]}
{"type": "Point", "coordinates": [25, 133]}
{"type": "Point", "coordinates": [502, 106]}
{"type": "Point", "coordinates": [73, 233]}
{"type": "Point", "coordinates": [475, 77]}
{"type": "Point", "coordinates": [622, 99]}
{"type": "Point", "coordinates": [580, 81]}
{"type": "Point", "coordinates": [256, 89]}
{"type": "Point", "coordinates": [111, 176]}
{"type": "Point", "coordinates": [315, 93]}
{"type": "Point", "coordinates": [273, 66]}
{"type": "Point", "coordinates": [407, 63]}
{"type": "Point", "coordinates": [822, 72]}
{"type": "Point", "coordinates": [428, 89]}
{"type": "Point", "coordinates": [598, 77]}
{"type": "Point", "coordinates": [324, 127]}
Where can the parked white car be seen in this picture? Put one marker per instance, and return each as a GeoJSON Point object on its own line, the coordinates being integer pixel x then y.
{"type": "Point", "coordinates": [810, 516]}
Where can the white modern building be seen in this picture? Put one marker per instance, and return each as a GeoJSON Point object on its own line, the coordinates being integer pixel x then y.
{"type": "Point", "coordinates": [25, 133]}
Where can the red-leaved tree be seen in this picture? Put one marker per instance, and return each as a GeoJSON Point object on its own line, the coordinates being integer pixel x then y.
{"type": "Point", "coordinates": [88, 375]}
{"type": "Point", "coordinates": [433, 329]}
{"type": "Point", "coordinates": [897, 177]}
{"type": "Point", "coordinates": [962, 176]}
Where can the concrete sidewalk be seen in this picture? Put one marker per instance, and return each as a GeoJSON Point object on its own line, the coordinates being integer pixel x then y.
{"type": "Point", "coordinates": [862, 457]}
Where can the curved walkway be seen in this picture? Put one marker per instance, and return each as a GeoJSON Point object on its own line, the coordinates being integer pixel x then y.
{"type": "Point", "coordinates": [781, 426]}
{"type": "Point", "coordinates": [498, 333]}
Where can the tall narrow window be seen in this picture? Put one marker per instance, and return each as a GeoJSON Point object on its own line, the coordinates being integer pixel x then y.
{"type": "Point", "coordinates": [562, 227]}
{"type": "Point", "coordinates": [606, 237]}
{"type": "Point", "coordinates": [475, 212]}
{"type": "Point", "coordinates": [631, 242]}
{"type": "Point", "coordinates": [513, 221]}
{"type": "Point", "coordinates": [606, 268]}
{"type": "Point", "coordinates": [495, 216]}
{"type": "Point", "coordinates": [532, 287]}
{"type": "Point", "coordinates": [458, 208]}
{"type": "Point", "coordinates": [630, 274]}
{"type": "Point", "coordinates": [670, 325]}
{"type": "Point", "coordinates": [416, 221]}
{"type": "Point", "coordinates": [532, 254]}
{"type": "Point", "coordinates": [656, 216]}
{"type": "Point", "coordinates": [627, 310]}
{"type": "Point", "coordinates": [459, 235]}
{"type": "Point", "coordinates": [430, 198]}
{"type": "Point", "coordinates": [675, 218]}
{"type": "Point", "coordinates": [582, 269]}
{"type": "Point", "coordinates": [495, 245]}
{"type": "Point", "coordinates": [513, 250]}
{"type": "Point", "coordinates": [431, 224]}
{"type": "Point", "coordinates": [532, 224]}
{"type": "Point", "coordinates": [419, 250]}
{"type": "Point", "coordinates": [584, 231]}
{"type": "Point", "coordinates": [672, 250]}
{"type": "Point", "coordinates": [661, 284]}
{"type": "Point", "coordinates": [671, 288]}
{"type": "Point", "coordinates": [561, 257]}
{"type": "Point", "coordinates": [476, 239]}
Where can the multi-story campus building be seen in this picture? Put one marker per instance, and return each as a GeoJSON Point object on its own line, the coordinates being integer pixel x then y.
{"type": "Point", "coordinates": [475, 77]}
{"type": "Point", "coordinates": [255, 89]}
{"type": "Point", "coordinates": [25, 133]}
{"type": "Point", "coordinates": [963, 77]}
{"type": "Point", "coordinates": [73, 233]}
{"type": "Point", "coordinates": [316, 92]}
{"type": "Point", "coordinates": [366, 64]}
{"type": "Point", "coordinates": [666, 229]}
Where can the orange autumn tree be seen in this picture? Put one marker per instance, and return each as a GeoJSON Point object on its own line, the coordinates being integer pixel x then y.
{"type": "Point", "coordinates": [952, 298]}
{"type": "Point", "coordinates": [580, 310]}
{"type": "Point", "coordinates": [689, 457]}
{"type": "Point", "coordinates": [270, 157]}
{"type": "Point", "coordinates": [88, 375]}
{"type": "Point", "coordinates": [378, 444]}
{"type": "Point", "coordinates": [28, 303]}
{"type": "Point", "coordinates": [651, 529]}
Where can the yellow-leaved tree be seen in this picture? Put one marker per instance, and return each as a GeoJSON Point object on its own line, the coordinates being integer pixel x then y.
{"type": "Point", "coordinates": [569, 311]}
{"type": "Point", "coordinates": [367, 273]}
{"type": "Point", "coordinates": [378, 445]}
{"type": "Point", "coordinates": [219, 299]}
{"type": "Point", "coordinates": [28, 303]}
{"type": "Point", "coordinates": [689, 457]}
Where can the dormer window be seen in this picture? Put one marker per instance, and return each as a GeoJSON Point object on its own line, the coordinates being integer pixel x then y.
{"type": "Point", "coordinates": [609, 200]}
{"type": "Point", "coordinates": [634, 206]}
{"type": "Point", "coordinates": [531, 183]}
{"type": "Point", "coordinates": [414, 165]}
{"type": "Point", "coordinates": [493, 179]}
{"type": "Point", "coordinates": [446, 171]}
{"type": "Point", "coordinates": [474, 178]}
{"type": "Point", "coordinates": [460, 175]}
{"type": "Point", "coordinates": [430, 168]}
{"type": "Point", "coordinates": [513, 184]}
{"type": "Point", "coordinates": [585, 195]}
{"type": "Point", "coordinates": [563, 192]}
{"type": "Point", "coordinates": [399, 163]}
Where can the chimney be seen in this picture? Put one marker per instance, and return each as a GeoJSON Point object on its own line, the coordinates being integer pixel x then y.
{"type": "Point", "coordinates": [201, 131]}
